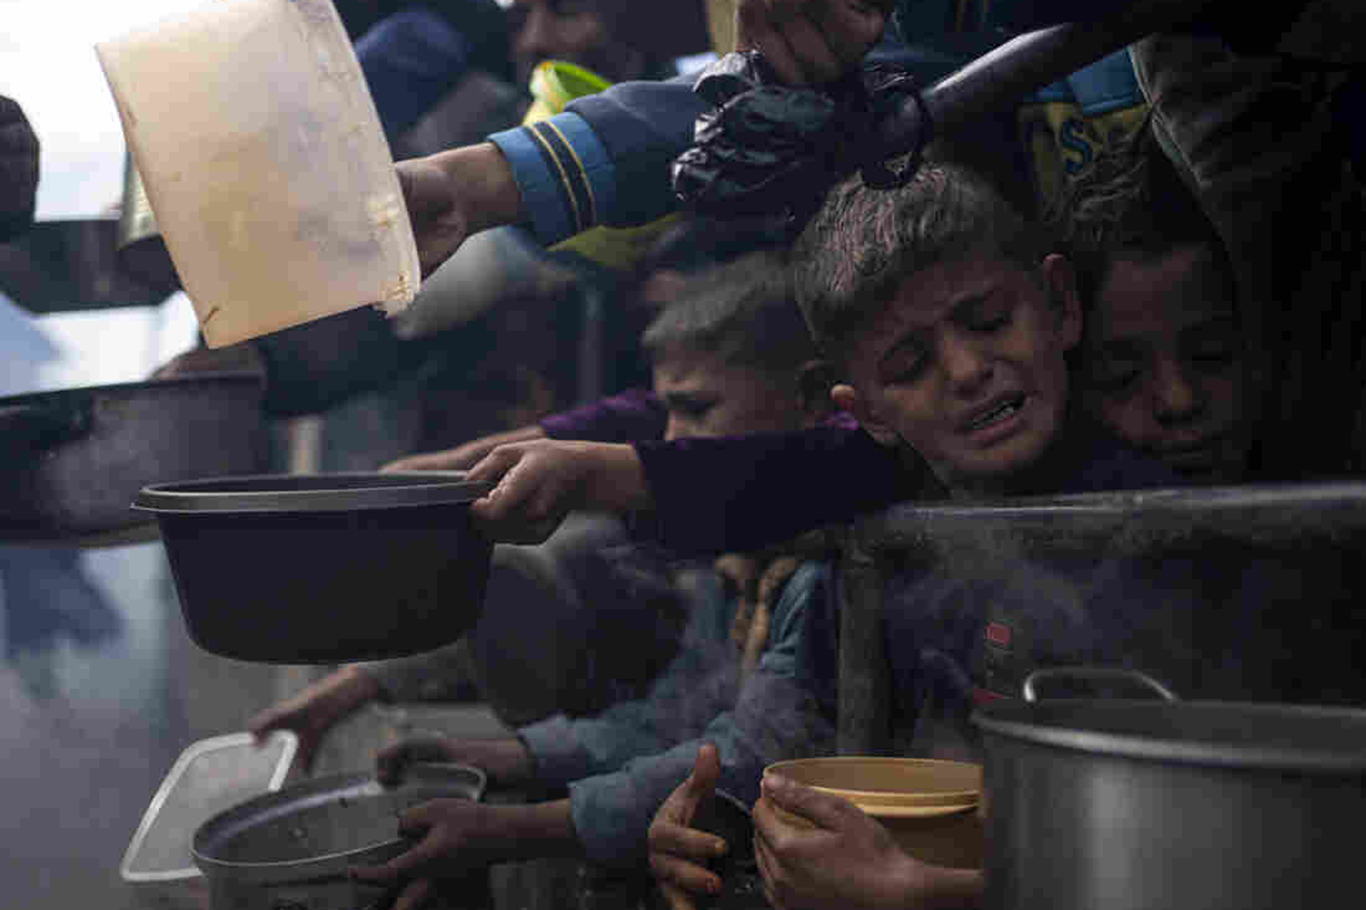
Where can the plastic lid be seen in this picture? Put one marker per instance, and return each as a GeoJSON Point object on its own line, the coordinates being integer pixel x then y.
{"type": "Point", "coordinates": [890, 786]}
{"type": "Point", "coordinates": [209, 777]}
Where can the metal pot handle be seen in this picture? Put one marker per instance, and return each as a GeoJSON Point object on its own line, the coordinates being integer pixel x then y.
{"type": "Point", "coordinates": [1102, 673]}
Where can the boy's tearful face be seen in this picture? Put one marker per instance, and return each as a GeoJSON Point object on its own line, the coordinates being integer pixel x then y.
{"type": "Point", "coordinates": [1163, 363]}
{"type": "Point", "coordinates": [966, 366]}
{"type": "Point", "coordinates": [706, 395]}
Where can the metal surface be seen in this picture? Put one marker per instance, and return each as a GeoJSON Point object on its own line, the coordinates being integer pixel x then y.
{"type": "Point", "coordinates": [865, 678]}
{"type": "Point", "coordinates": [72, 460]}
{"type": "Point", "coordinates": [280, 494]}
{"type": "Point", "coordinates": [209, 777]}
{"type": "Point", "coordinates": [293, 848]}
{"type": "Point", "coordinates": [62, 266]}
{"type": "Point", "coordinates": [1270, 737]}
{"type": "Point", "coordinates": [1197, 561]}
{"type": "Point", "coordinates": [1129, 522]}
{"type": "Point", "coordinates": [136, 220]}
{"type": "Point", "coordinates": [328, 585]}
{"type": "Point", "coordinates": [1078, 829]}
{"type": "Point", "coordinates": [1108, 674]}
{"type": "Point", "coordinates": [1128, 804]}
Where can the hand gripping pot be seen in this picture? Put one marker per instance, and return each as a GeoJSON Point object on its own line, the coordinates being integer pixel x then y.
{"type": "Point", "coordinates": [324, 568]}
{"type": "Point", "coordinates": [291, 850]}
{"type": "Point", "coordinates": [265, 164]}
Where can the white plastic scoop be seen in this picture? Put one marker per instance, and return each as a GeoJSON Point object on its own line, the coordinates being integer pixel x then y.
{"type": "Point", "coordinates": [265, 164]}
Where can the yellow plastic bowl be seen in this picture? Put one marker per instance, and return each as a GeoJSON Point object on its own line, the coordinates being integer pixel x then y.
{"type": "Point", "coordinates": [928, 806]}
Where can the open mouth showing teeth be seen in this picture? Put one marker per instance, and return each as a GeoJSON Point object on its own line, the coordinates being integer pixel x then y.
{"type": "Point", "coordinates": [1002, 411]}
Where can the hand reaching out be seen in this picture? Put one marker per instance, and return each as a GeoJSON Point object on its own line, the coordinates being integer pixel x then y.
{"type": "Point", "coordinates": [465, 456]}
{"type": "Point", "coordinates": [678, 852]}
{"type": "Point", "coordinates": [315, 710]}
{"type": "Point", "coordinates": [541, 481]}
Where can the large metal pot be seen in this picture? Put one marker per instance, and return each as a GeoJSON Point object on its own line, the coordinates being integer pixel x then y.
{"type": "Point", "coordinates": [1121, 804]}
{"type": "Point", "coordinates": [324, 568]}
{"type": "Point", "coordinates": [291, 850]}
{"type": "Point", "coordinates": [71, 461]}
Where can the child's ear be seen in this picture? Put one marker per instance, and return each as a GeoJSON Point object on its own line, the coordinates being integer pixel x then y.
{"type": "Point", "coordinates": [1060, 280]}
{"type": "Point", "coordinates": [846, 398]}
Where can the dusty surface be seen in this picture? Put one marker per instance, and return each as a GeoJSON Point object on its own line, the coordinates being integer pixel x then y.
{"type": "Point", "coordinates": [88, 732]}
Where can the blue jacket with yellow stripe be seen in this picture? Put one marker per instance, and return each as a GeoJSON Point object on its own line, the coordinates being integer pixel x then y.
{"type": "Point", "coordinates": [604, 162]}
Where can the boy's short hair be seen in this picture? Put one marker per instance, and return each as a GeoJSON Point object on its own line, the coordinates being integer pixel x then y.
{"type": "Point", "coordinates": [863, 243]}
{"type": "Point", "coordinates": [1131, 202]}
{"type": "Point", "coordinates": [742, 310]}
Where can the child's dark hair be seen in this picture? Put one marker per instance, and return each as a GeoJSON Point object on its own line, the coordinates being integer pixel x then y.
{"type": "Point", "coordinates": [863, 243]}
{"type": "Point", "coordinates": [742, 310]}
{"type": "Point", "coordinates": [1130, 202]}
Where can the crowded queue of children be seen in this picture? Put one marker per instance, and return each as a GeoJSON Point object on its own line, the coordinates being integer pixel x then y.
{"type": "Point", "coordinates": [973, 350]}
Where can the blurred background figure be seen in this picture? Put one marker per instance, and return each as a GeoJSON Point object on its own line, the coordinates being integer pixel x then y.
{"type": "Point", "coordinates": [18, 169]}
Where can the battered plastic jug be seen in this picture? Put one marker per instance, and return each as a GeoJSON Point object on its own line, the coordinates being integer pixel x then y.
{"type": "Point", "coordinates": [265, 163]}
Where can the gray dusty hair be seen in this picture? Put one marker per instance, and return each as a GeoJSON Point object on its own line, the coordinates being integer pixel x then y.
{"type": "Point", "coordinates": [863, 243]}
{"type": "Point", "coordinates": [743, 310]}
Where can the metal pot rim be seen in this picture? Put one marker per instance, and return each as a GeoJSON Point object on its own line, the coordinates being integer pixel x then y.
{"type": "Point", "coordinates": [294, 493]}
{"type": "Point", "coordinates": [271, 806]}
{"type": "Point", "coordinates": [1143, 729]}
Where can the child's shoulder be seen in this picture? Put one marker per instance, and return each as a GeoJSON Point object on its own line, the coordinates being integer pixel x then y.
{"type": "Point", "coordinates": [1096, 462]}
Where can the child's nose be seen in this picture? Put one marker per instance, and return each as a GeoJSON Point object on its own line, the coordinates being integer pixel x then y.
{"type": "Point", "coordinates": [965, 364]}
{"type": "Point", "coordinates": [1175, 396]}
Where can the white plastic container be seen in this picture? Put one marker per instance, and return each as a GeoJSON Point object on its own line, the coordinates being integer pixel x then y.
{"type": "Point", "coordinates": [265, 164]}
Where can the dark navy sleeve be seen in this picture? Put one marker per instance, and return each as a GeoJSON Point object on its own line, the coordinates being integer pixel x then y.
{"type": "Point", "coordinates": [734, 494]}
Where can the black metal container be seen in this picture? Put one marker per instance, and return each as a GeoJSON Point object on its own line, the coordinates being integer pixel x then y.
{"type": "Point", "coordinates": [324, 568]}
{"type": "Point", "coordinates": [1140, 804]}
{"type": "Point", "coordinates": [72, 460]}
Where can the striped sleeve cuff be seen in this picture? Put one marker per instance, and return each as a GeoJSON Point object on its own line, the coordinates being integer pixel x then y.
{"type": "Point", "coordinates": [568, 185]}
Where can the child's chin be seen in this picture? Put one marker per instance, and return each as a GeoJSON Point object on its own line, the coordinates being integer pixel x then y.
{"type": "Point", "coordinates": [999, 466]}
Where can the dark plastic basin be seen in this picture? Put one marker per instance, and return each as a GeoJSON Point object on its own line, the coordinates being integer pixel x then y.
{"type": "Point", "coordinates": [324, 568]}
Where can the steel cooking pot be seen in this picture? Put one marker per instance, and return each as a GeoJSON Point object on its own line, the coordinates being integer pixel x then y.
{"type": "Point", "coordinates": [72, 460]}
{"type": "Point", "coordinates": [291, 850]}
{"type": "Point", "coordinates": [1122, 804]}
{"type": "Point", "coordinates": [324, 568]}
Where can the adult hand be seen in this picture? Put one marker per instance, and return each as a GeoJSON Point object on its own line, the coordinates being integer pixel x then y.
{"type": "Point", "coordinates": [456, 193]}
{"type": "Point", "coordinates": [18, 169]}
{"type": "Point", "coordinates": [463, 457]}
{"type": "Point", "coordinates": [506, 761]}
{"type": "Point", "coordinates": [810, 41]}
{"type": "Point", "coordinates": [541, 481]}
{"type": "Point", "coordinates": [315, 710]}
{"type": "Point", "coordinates": [843, 858]}
{"type": "Point", "coordinates": [678, 852]}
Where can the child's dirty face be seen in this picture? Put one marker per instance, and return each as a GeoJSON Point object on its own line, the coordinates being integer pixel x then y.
{"type": "Point", "coordinates": [705, 395]}
{"type": "Point", "coordinates": [1163, 363]}
{"type": "Point", "coordinates": [966, 365]}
